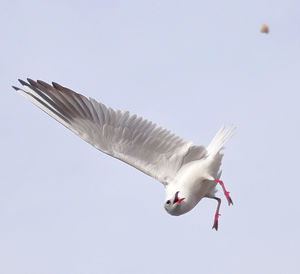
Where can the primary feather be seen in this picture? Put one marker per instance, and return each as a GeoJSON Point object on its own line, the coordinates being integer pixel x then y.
{"type": "Point", "coordinates": [127, 137]}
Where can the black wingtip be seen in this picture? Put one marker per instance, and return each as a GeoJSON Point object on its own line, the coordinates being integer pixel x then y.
{"type": "Point", "coordinates": [44, 84]}
{"type": "Point", "coordinates": [22, 82]}
{"type": "Point", "coordinates": [15, 88]}
{"type": "Point", "coordinates": [30, 81]}
{"type": "Point", "coordinates": [57, 86]}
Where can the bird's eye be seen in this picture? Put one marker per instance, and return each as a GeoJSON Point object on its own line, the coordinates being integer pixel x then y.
{"type": "Point", "coordinates": [168, 202]}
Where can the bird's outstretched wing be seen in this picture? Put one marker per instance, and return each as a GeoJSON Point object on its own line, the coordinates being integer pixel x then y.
{"type": "Point", "coordinates": [132, 139]}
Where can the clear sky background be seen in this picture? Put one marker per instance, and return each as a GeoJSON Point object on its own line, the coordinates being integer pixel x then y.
{"type": "Point", "coordinates": [189, 66]}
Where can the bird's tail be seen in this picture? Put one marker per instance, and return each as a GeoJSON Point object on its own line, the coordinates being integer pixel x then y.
{"type": "Point", "coordinates": [213, 150]}
{"type": "Point", "coordinates": [218, 142]}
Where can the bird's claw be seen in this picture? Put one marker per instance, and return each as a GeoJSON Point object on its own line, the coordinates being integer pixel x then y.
{"type": "Point", "coordinates": [229, 200]}
{"type": "Point", "coordinates": [216, 224]}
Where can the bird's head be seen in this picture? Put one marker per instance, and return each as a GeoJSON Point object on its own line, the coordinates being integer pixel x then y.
{"type": "Point", "coordinates": [175, 205]}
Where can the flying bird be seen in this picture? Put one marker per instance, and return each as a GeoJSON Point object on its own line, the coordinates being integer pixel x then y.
{"type": "Point", "coordinates": [188, 172]}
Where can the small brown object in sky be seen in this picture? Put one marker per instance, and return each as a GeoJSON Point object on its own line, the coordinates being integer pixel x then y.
{"type": "Point", "coordinates": [264, 28]}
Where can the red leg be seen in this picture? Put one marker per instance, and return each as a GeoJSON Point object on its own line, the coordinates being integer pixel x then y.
{"type": "Point", "coordinates": [225, 192]}
{"type": "Point", "coordinates": [216, 223]}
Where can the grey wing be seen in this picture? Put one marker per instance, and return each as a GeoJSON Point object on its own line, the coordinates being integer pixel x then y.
{"type": "Point", "coordinates": [132, 139]}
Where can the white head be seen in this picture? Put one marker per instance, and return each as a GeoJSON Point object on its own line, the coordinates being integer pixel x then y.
{"type": "Point", "coordinates": [177, 205]}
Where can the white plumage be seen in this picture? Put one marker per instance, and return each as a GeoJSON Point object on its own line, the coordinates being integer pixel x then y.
{"type": "Point", "coordinates": [186, 170]}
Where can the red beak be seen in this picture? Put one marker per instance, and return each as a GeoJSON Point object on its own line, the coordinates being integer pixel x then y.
{"type": "Point", "coordinates": [176, 199]}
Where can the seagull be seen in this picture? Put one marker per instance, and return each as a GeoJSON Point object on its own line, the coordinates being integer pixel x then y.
{"type": "Point", "coordinates": [188, 172]}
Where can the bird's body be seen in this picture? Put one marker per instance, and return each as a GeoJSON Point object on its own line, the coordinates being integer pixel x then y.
{"type": "Point", "coordinates": [192, 184]}
{"type": "Point", "coordinates": [196, 179]}
{"type": "Point", "coordinates": [188, 172]}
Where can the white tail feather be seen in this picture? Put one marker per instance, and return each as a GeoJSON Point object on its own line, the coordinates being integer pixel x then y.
{"type": "Point", "coordinates": [218, 142]}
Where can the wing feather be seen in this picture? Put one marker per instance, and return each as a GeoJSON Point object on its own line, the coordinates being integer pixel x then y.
{"type": "Point", "coordinates": [138, 142]}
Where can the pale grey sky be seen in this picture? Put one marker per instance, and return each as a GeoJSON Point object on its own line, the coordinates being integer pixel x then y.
{"type": "Point", "coordinates": [189, 66]}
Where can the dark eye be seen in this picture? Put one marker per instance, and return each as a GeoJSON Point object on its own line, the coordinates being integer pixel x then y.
{"type": "Point", "coordinates": [168, 202]}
